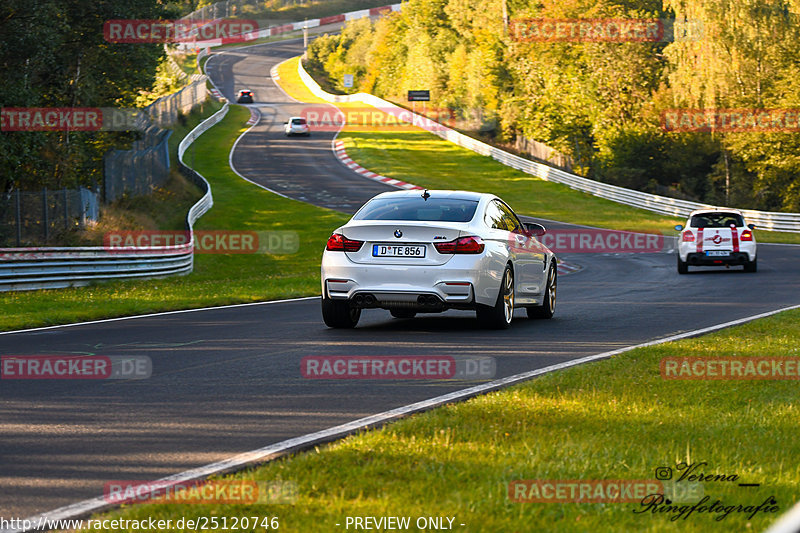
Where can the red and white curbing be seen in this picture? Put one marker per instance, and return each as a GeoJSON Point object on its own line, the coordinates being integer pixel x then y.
{"type": "Point", "coordinates": [255, 116]}
{"type": "Point", "coordinates": [565, 268]}
{"type": "Point", "coordinates": [217, 94]}
{"type": "Point", "coordinates": [341, 155]}
{"type": "Point", "coordinates": [298, 26]}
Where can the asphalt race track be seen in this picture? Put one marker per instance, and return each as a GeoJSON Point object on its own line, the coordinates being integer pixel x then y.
{"type": "Point", "coordinates": [297, 167]}
{"type": "Point", "coordinates": [228, 380]}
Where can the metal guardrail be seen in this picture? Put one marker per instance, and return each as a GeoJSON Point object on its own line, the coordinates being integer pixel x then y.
{"type": "Point", "coordinates": [51, 268]}
{"type": "Point", "coordinates": [770, 220]}
{"type": "Point", "coordinates": [221, 10]}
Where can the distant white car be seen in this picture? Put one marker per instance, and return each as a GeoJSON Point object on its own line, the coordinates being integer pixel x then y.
{"type": "Point", "coordinates": [714, 237]}
{"type": "Point", "coordinates": [296, 126]}
{"type": "Point", "coordinates": [415, 252]}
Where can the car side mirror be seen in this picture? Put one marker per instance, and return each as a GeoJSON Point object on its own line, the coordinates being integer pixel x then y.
{"type": "Point", "coordinates": [751, 226]}
{"type": "Point", "coordinates": [537, 230]}
{"type": "Point", "coordinates": [679, 227]}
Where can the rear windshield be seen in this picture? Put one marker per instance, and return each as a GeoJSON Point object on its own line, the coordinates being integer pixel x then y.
{"type": "Point", "coordinates": [298, 121]}
{"type": "Point", "coordinates": [417, 208]}
{"type": "Point", "coordinates": [717, 220]}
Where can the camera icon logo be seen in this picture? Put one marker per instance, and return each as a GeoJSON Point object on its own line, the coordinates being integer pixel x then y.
{"type": "Point", "coordinates": [663, 473]}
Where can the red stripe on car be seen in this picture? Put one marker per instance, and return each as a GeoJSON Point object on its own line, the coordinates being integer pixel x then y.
{"type": "Point", "coordinates": [699, 240]}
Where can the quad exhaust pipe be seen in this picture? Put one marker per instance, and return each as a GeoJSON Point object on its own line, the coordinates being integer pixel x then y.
{"type": "Point", "coordinates": [364, 300]}
{"type": "Point", "coordinates": [429, 301]}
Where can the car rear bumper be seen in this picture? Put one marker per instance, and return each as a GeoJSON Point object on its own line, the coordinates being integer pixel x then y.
{"type": "Point", "coordinates": [458, 284]}
{"type": "Point", "coordinates": [688, 253]}
{"type": "Point", "coordinates": [701, 259]}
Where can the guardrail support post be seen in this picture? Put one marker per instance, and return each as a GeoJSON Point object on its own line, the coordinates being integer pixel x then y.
{"type": "Point", "coordinates": [44, 215]}
{"type": "Point", "coordinates": [66, 209]}
{"type": "Point", "coordinates": [18, 217]}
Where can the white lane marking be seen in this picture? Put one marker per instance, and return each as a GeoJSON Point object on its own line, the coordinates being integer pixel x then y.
{"type": "Point", "coordinates": [788, 523]}
{"type": "Point", "coordinates": [161, 313]}
{"type": "Point", "coordinates": [274, 76]}
{"type": "Point", "coordinates": [233, 168]}
{"type": "Point", "coordinates": [777, 244]}
{"type": "Point", "coordinates": [273, 451]}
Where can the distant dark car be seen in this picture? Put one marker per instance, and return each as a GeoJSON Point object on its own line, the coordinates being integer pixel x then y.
{"type": "Point", "coordinates": [245, 97]}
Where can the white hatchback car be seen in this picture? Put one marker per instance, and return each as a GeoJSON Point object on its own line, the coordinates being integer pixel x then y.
{"type": "Point", "coordinates": [715, 237]}
{"type": "Point", "coordinates": [424, 252]}
{"type": "Point", "coordinates": [296, 126]}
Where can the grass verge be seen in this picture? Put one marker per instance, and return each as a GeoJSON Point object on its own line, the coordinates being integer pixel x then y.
{"type": "Point", "coordinates": [613, 419]}
{"type": "Point", "coordinates": [217, 279]}
{"type": "Point", "coordinates": [424, 159]}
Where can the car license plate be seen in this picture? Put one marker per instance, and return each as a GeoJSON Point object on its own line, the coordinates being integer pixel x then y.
{"type": "Point", "coordinates": [397, 250]}
{"type": "Point", "coordinates": [718, 253]}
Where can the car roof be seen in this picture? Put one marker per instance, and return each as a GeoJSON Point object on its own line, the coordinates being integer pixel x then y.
{"type": "Point", "coordinates": [436, 193]}
{"type": "Point", "coordinates": [714, 210]}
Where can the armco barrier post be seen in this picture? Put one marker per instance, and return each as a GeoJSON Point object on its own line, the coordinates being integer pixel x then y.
{"type": "Point", "coordinates": [45, 222]}
{"type": "Point", "coordinates": [18, 219]}
{"type": "Point", "coordinates": [66, 209]}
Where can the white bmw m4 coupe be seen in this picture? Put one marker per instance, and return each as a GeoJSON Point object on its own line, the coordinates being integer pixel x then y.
{"type": "Point", "coordinates": [419, 251]}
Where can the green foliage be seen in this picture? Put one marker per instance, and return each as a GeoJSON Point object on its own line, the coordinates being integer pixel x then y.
{"type": "Point", "coordinates": [53, 54]}
{"type": "Point", "coordinates": [600, 102]}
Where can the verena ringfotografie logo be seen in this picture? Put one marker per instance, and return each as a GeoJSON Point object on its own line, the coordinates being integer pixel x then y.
{"type": "Point", "coordinates": [397, 367]}
{"type": "Point", "coordinates": [75, 367]}
{"type": "Point", "coordinates": [178, 31]}
{"type": "Point", "coordinates": [693, 474]}
{"type": "Point", "coordinates": [243, 492]}
{"type": "Point", "coordinates": [605, 30]}
{"type": "Point", "coordinates": [731, 120]}
{"type": "Point", "coordinates": [327, 118]}
{"type": "Point", "coordinates": [730, 368]}
{"type": "Point", "coordinates": [205, 241]}
{"type": "Point", "coordinates": [71, 119]}
{"type": "Point", "coordinates": [590, 240]}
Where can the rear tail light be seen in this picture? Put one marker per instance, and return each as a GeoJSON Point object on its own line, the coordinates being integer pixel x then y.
{"type": "Point", "coordinates": [340, 243]}
{"type": "Point", "coordinates": [688, 236]}
{"type": "Point", "coordinates": [464, 245]}
{"type": "Point", "coordinates": [747, 235]}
